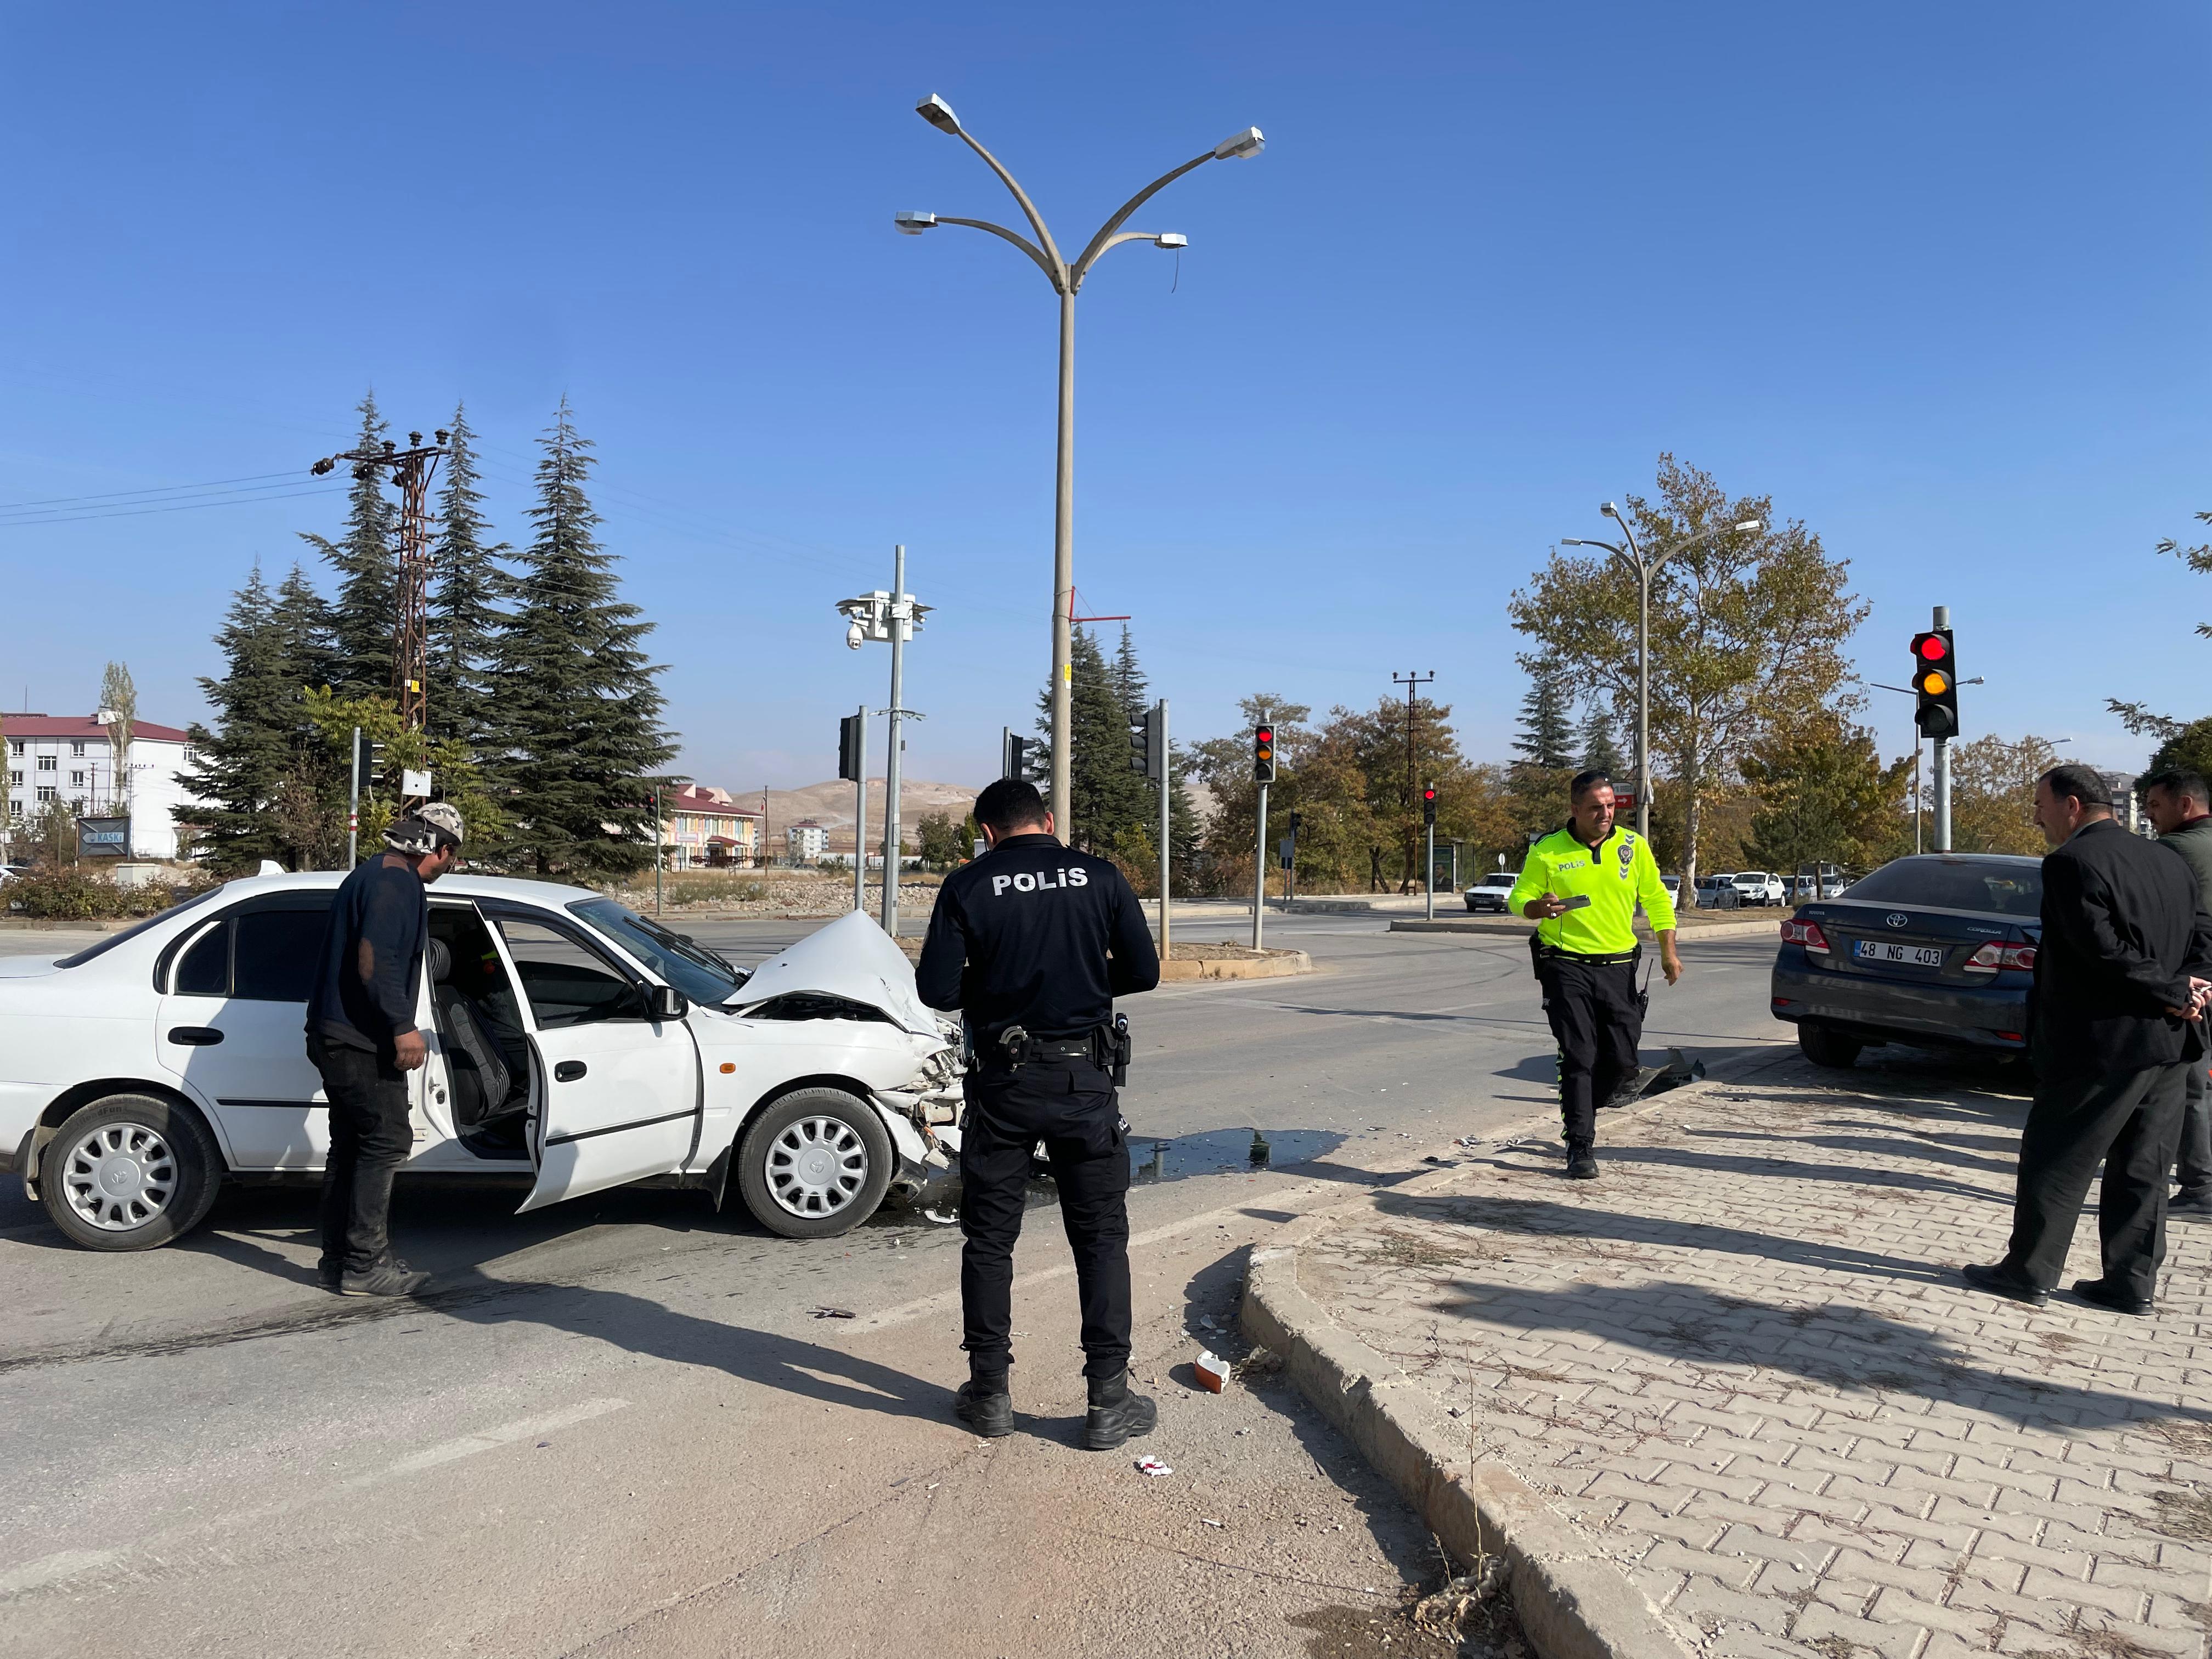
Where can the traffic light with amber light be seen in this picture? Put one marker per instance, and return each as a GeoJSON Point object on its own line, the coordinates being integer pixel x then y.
{"type": "Point", "coordinates": [1936, 685]}
{"type": "Point", "coordinates": [1263, 753]}
{"type": "Point", "coordinates": [1429, 806]}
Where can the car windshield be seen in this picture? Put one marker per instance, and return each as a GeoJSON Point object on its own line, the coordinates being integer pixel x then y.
{"type": "Point", "coordinates": [2004, 887]}
{"type": "Point", "coordinates": [130, 934]}
{"type": "Point", "coordinates": [691, 969]}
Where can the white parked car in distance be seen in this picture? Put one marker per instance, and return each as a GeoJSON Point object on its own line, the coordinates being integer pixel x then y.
{"type": "Point", "coordinates": [1760, 887]}
{"type": "Point", "coordinates": [571, 1041]}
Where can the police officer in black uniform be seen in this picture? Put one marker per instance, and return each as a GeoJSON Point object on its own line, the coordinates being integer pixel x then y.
{"type": "Point", "coordinates": [1033, 942]}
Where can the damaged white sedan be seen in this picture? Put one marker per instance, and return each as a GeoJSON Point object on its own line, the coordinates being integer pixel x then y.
{"type": "Point", "coordinates": [570, 1040]}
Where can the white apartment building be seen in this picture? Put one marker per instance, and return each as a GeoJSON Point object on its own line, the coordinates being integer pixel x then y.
{"type": "Point", "coordinates": [807, 840]}
{"type": "Point", "coordinates": [68, 758]}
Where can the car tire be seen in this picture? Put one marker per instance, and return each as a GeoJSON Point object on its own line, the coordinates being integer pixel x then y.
{"type": "Point", "coordinates": [130, 1172]}
{"type": "Point", "coordinates": [815, 1164]}
{"type": "Point", "coordinates": [1823, 1047]}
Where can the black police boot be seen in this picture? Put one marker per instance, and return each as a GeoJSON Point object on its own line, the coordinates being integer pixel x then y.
{"type": "Point", "coordinates": [1581, 1160]}
{"type": "Point", "coordinates": [985, 1404]}
{"type": "Point", "coordinates": [1115, 1414]}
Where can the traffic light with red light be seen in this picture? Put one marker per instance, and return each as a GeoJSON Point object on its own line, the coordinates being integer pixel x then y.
{"type": "Point", "coordinates": [1263, 753]}
{"type": "Point", "coordinates": [1429, 806]}
{"type": "Point", "coordinates": [1936, 683]}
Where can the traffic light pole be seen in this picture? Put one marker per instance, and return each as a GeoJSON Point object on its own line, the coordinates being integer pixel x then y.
{"type": "Point", "coordinates": [1940, 766]}
{"type": "Point", "coordinates": [353, 804]}
{"type": "Point", "coordinates": [860, 820]}
{"type": "Point", "coordinates": [1260, 870]}
{"type": "Point", "coordinates": [1430, 884]}
{"type": "Point", "coordinates": [1167, 784]}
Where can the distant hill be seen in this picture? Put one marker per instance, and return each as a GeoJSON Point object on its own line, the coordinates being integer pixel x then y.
{"type": "Point", "coordinates": [831, 806]}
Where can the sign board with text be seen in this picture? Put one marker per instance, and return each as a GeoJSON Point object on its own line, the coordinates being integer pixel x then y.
{"type": "Point", "coordinates": [103, 838]}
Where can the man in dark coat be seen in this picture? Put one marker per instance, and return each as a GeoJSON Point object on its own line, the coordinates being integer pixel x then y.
{"type": "Point", "coordinates": [2179, 807]}
{"type": "Point", "coordinates": [2111, 1020]}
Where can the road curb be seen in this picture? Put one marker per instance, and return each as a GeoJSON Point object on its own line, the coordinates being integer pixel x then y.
{"type": "Point", "coordinates": [1280, 965]}
{"type": "Point", "coordinates": [1572, 1602]}
{"type": "Point", "coordinates": [1515, 926]}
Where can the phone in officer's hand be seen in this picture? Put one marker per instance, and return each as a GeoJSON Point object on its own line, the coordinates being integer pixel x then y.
{"type": "Point", "coordinates": [1579, 901]}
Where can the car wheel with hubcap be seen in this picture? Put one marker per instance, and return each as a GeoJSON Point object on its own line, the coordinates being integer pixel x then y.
{"type": "Point", "coordinates": [815, 1164]}
{"type": "Point", "coordinates": [130, 1172]}
{"type": "Point", "coordinates": [1823, 1047]}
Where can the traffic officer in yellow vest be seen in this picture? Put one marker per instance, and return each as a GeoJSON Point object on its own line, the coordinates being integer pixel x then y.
{"type": "Point", "coordinates": [1581, 885]}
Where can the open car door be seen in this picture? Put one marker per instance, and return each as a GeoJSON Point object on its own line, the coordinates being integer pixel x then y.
{"type": "Point", "coordinates": [615, 1094]}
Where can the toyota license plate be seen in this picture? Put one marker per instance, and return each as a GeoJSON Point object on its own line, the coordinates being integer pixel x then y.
{"type": "Point", "coordinates": [1876, 950]}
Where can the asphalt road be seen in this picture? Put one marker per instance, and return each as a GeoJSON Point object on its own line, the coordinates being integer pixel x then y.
{"type": "Point", "coordinates": [617, 1427]}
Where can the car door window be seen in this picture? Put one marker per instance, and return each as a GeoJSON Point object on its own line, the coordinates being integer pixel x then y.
{"type": "Point", "coordinates": [565, 980]}
{"type": "Point", "coordinates": [204, 970]}
{"type": "Point", "coordinates": [273, 959]}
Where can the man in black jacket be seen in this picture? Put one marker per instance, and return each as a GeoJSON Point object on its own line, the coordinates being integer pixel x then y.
{"type": "Point", "coordinates": [1032, 943]}
{"type": "Point", "coordinates": [2179, 807]}
{"type": "Point", "coordinates": [362, 1037]}
{"type": "Point", "coordinates": [2110, 1022]}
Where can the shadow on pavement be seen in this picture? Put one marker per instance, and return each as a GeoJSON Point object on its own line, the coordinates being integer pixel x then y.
{"type": "Point", "coordinates": [1541, 1218]}
{"type": "Point", "coordinates": [1841, 1346]}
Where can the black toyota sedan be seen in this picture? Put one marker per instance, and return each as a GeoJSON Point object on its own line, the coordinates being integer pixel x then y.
{"type": "Point", "coordinates": [1936, 950]}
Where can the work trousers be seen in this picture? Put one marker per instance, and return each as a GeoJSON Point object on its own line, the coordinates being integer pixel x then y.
{"type": "Point", "coordinates": [2129, 1121]}
{"type": "Point", "coordinates": [1598, 1019]}
{"type": "Point", "coordinates": [370, 1138]}
{"type": "Point", "coordinates": [2193, 1162]}
{"type": "Point", "coordinates": [1069, 1105]}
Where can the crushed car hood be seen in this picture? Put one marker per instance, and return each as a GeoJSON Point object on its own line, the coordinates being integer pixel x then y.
{"type": "Point", "coordinates": [851, 957]}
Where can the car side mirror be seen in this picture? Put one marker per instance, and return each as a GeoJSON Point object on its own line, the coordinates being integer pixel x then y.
{"type": "Point", "coordinates": [665, 1002]}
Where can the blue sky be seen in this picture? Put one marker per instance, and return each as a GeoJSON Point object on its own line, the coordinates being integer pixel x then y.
{"type": "Point", "coordinates": [1932, 277]}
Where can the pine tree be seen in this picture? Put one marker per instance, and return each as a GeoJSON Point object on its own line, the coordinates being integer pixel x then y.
{"type": "Point", "coordinates": [1599, 752]}
{"type": "Point", "coordinates": [302, 620]}
{"type": "Point", "coordinates": [240, 766]}
{"type": "Point", "coordinates": [1545, 740]}
{"type": "Point", "coordinates": [464, 605]}
{"type": "Point", "coordinates": [366, 614]}
{"type": "Point", "coordinates": [580, 713]}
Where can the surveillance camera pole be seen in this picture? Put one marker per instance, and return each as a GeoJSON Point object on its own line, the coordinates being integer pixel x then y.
{"type": "Point", "coordinates": [899, 611]}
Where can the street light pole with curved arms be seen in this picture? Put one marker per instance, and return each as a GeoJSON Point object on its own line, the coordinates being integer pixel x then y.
{"type": "Point", "coordinates": [1067, 279]}
{"type": "Point", "coordinates": [1633, 556]}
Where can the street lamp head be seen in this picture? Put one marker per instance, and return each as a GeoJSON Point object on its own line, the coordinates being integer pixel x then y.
{"type": "Point", "coordinates": [1750, 524]}
{"type": "Point", "coordinates": [1572, 541]}
{"type": "Point", "coordinates": [1610, 511]}
{"type": "Point", "coordinates": [1171, 239]}
{"type": "Point", "coordinates": [912, 224]}
{"type": "Point", "coordinates": [938, 113]}
{"type": "Point", "coordinates": [1239, 144]}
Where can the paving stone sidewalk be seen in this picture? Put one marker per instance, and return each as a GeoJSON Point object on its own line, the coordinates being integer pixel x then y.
{"type": "Point", "coordinates": [1743, 1364]}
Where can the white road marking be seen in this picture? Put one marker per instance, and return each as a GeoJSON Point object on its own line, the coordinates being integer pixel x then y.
{"type": "Point", "coordinates": [487, 1439]}
{"type": "Point", "coordinates": [75, 1563]}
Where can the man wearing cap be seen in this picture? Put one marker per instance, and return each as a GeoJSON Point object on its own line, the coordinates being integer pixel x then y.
{"type": "Point", "coordinates": [363, 1038]}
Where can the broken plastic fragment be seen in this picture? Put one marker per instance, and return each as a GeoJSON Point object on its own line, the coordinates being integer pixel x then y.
{"type": "Point", "coordinates": [940, 1218]}
{"type": "Point", "coordinates": [832, 1313]}
{"type": "Point", "coordinates": [1212, 1372]}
